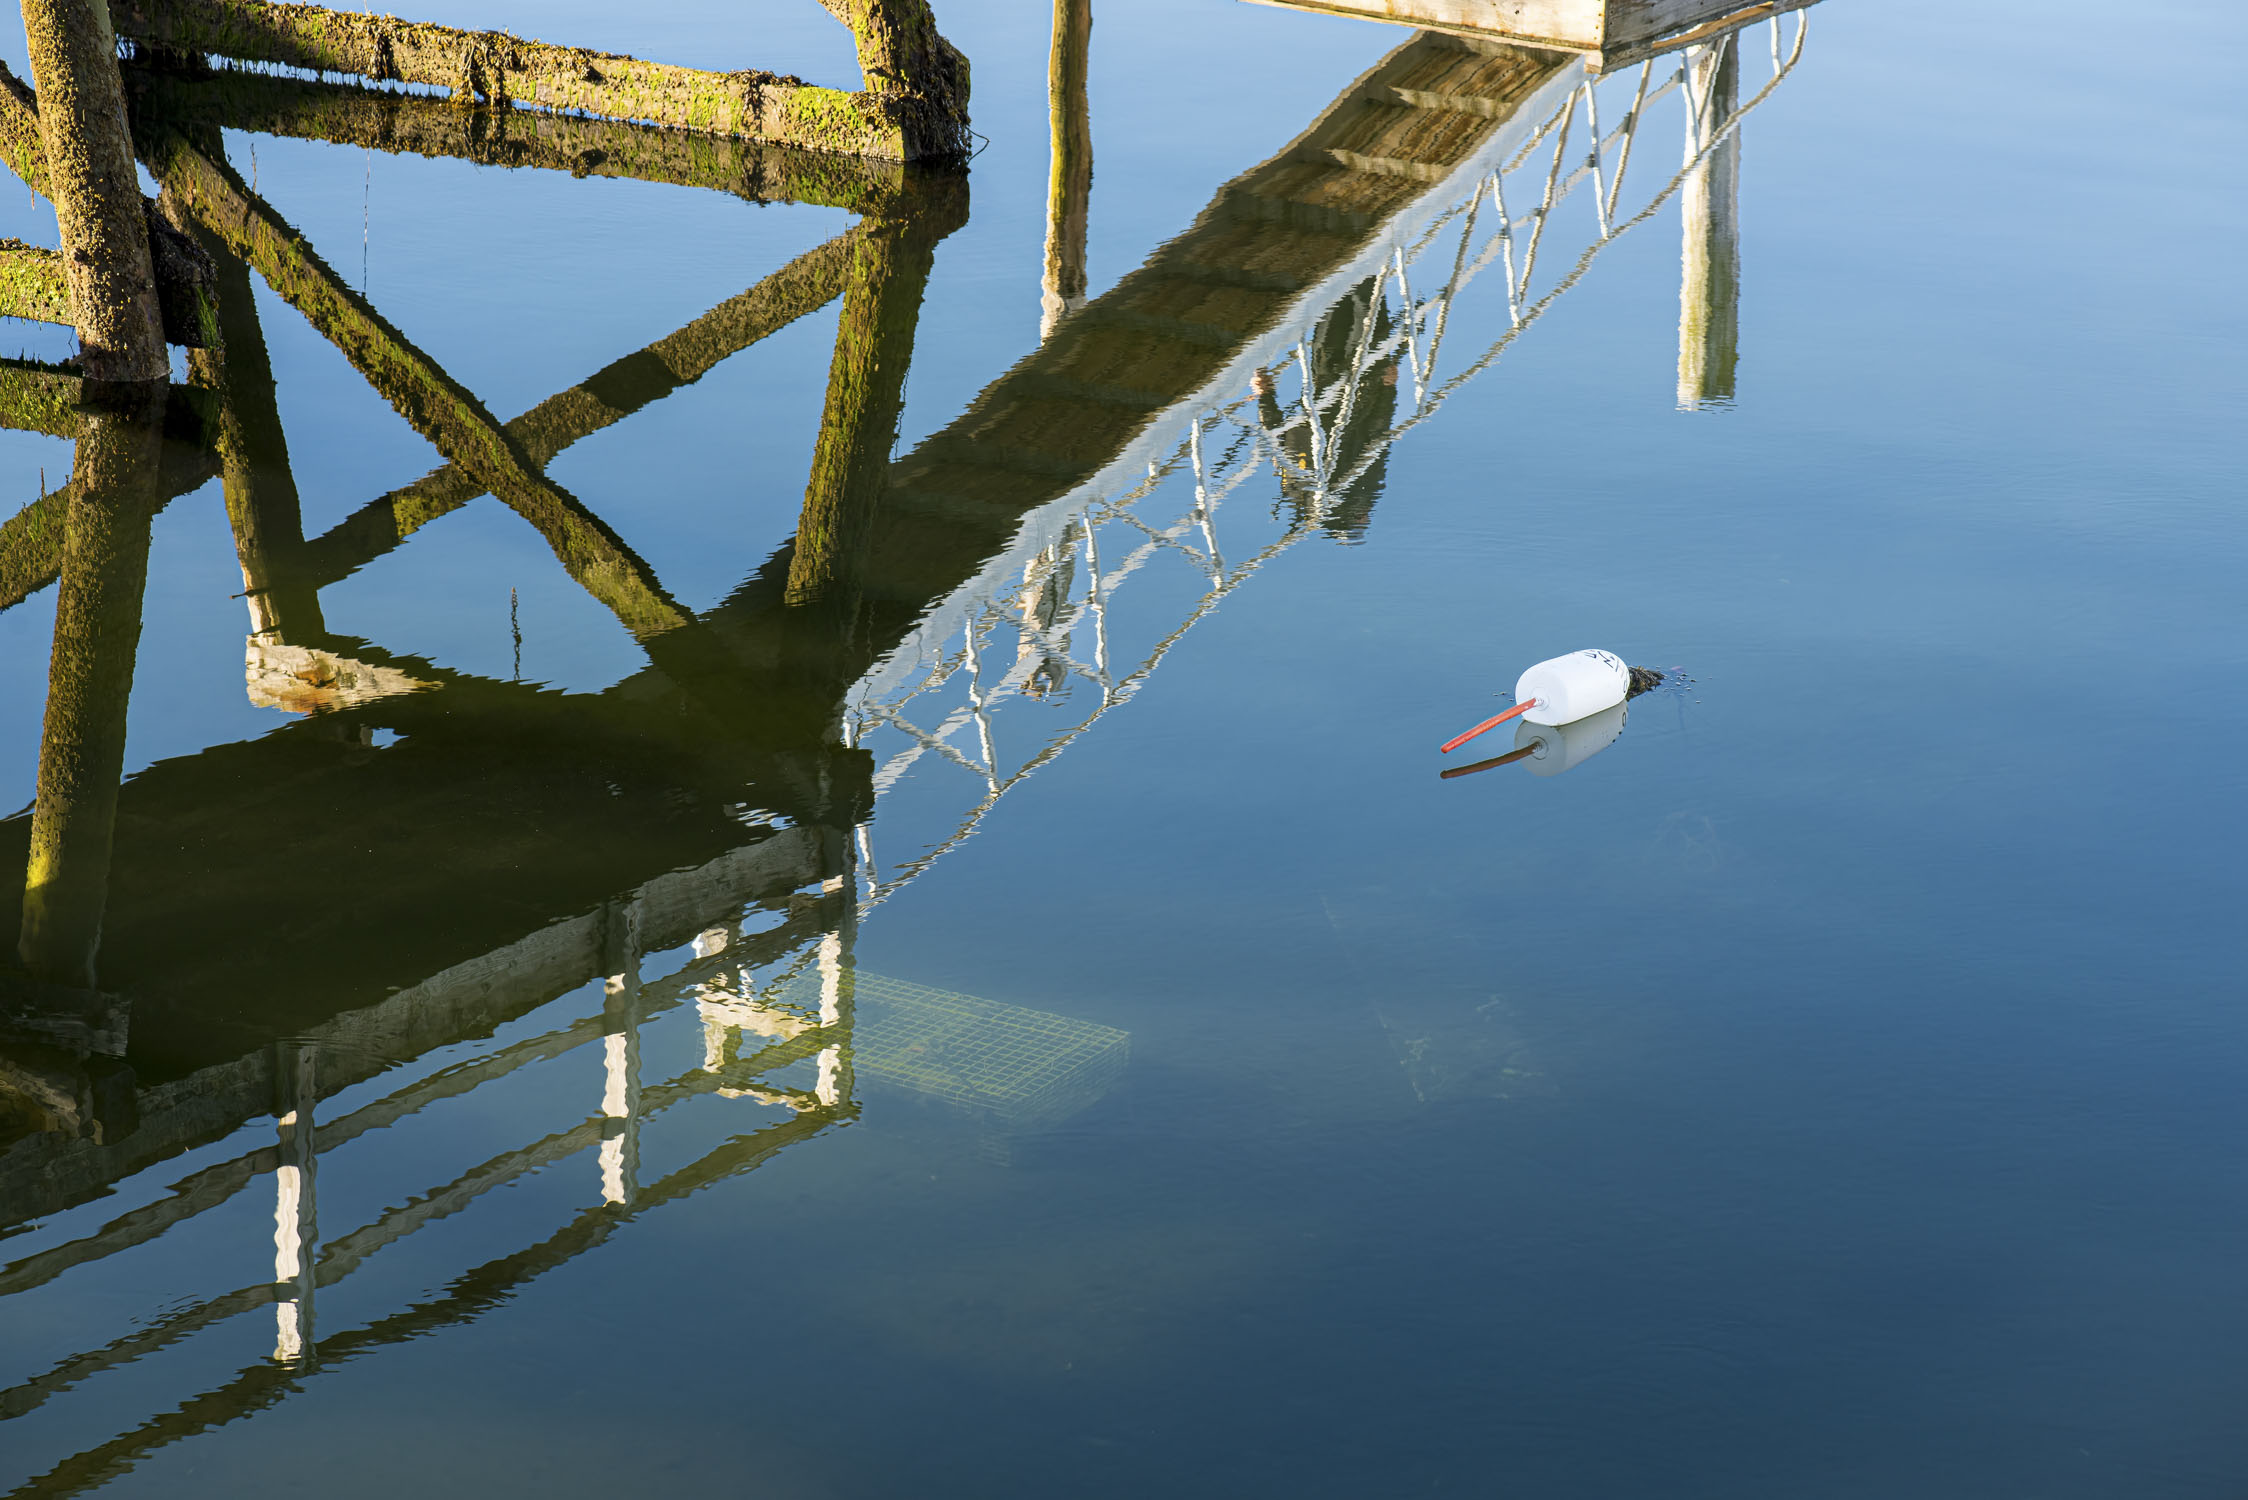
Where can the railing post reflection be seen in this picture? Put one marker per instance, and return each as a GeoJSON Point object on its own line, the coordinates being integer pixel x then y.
{"type": "Point", "coordinates": [838, 962]}
{"type": "Point", "coordinates": [114, 494]}
{"type": "Point", "coordinates": [1709, 288]}
{"type": "Point", "coordinates": [296, 1231]}
{"type": "Point", "coordinates": [1069, 190]}
{"type": "Point", "coordinates": [620, 1054]}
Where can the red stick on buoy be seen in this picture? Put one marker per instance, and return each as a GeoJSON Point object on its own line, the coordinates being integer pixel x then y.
{"type": "Point", "coordinates": [1458, 740]}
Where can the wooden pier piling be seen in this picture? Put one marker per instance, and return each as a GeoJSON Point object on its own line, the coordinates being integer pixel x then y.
{"type": "Point", "coordinates": [88, 159]}
{"type": "Point", "coordinates": [114, 493]}
{"type": "Point", "coordinates": [1069, 190]}
{"type": "Point", "coordinates": [1709, 286]}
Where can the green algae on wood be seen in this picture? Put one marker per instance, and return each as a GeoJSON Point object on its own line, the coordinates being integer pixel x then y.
{"type": "Point", "coordinates": [890, 268]}
{"type": "Point", "coordinates": [89, 682]}
{"type": "Point", "coordinates": [497, 68]}
{"type": "Point", "coordinates": [186, 302]}
{"type": "Point", "coordinates": [31, 543]}
{"type": "Point", "coordinates": [501, 136]}
{"type": "Point", "coordinates": [38, 399]}
{"type": "Point", "coordinates": [95, 187]}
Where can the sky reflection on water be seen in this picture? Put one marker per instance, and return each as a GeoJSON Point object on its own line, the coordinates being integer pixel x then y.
{"type": "Point", "coordinates": [1827, 1086]}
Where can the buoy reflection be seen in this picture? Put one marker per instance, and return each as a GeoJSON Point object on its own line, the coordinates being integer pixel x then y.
{"type": "Point", "coordinates": [1551, 749]}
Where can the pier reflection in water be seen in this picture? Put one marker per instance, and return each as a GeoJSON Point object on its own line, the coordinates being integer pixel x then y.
{"type": "Point", "coordinates": [536, 873]}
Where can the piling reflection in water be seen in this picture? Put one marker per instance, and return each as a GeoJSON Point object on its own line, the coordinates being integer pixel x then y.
{"type": "Point", "coordinates": [708, 823]}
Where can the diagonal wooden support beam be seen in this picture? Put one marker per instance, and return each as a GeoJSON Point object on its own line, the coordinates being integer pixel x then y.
{"type": "Point", "coordinates": [805, 284]}
{"type": "Point", "coordinates": [500, 136]}
{"type": "Point", "coordinates": [416, 386]}
{"type": "Point", "coordinates": [31, 543]}
{"type": "Point", "coordinates": [888, 120]}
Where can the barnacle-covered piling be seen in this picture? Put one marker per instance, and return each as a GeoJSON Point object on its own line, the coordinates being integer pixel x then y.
{"type": "Point", "coordinates": [87, 154]}
{"type": "Point", "coordinates": [187, 307]}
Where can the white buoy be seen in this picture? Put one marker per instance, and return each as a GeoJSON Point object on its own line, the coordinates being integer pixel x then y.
{"type": "Point", "coordinates": [1561, 691]}
{"type": "Point", "coordinates": [1573, 687]}
{"type": "Point", "coordinates": [1555, 748]}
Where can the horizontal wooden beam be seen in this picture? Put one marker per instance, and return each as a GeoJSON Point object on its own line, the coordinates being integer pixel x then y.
{"type": "Point", "coordinates": [390, 120]}
{"type": "Point", "coordinates": [31, 283]}
{"type": "Point", "coordinates": [498, 68]}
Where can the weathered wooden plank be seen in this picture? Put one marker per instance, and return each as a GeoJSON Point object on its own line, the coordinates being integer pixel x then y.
{"type": "Point", "coordinates": [502, 136]}
{"type": "Point", "coordinates": [1612, 33]}
{"type": "Point", "coordinates": [498, 68]}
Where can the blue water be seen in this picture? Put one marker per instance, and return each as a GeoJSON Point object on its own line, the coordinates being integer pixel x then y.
{"type": "Point", "coordinates": [1832, 1088]}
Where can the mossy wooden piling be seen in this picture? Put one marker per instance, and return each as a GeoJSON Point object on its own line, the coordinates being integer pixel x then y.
{"type": "Point", "coordinates": [88, 159]}
{"type": "Point", "coordinates": [1709, 285]}
{"type": "Point", "coordinates": [114, 495]}
{"type": "Point", "coordinates": [262, 505]}
{"type": "Point", "coordinates": [1069, 186]}
{"type": "Point", "coordinates": [890, 265]}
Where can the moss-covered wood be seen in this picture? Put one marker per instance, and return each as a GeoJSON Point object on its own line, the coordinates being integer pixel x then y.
{"type": "Point", "coordinates": [499, 136]}
{"type": "Point", "coordinates": [20, 147]}
{"type": "Point", "coordinates": [32, 284]}
{"type": "Point", "coordinates": [186, 303]}
{"type": "Point", "coordinates": [1069, 183]}
{"type": "Point", "coordinates": [919, 79]}
{"type": "Point", "coordinates": [36, 398]}
{"type": "Point", "coordinates": [437, 406]}
{"type": "Point", "coordinates": [890, 267]}
{"type": "Point", "coordinates": [497, 68]}
{"type": "Point", "coordinates": [95, 190]}
{"type": "Point", "coordinates": [805, 284]}
{"type": "Point", "coordinates": [116, 489]}
{"type": "Point", "coordinates": [31, 544]}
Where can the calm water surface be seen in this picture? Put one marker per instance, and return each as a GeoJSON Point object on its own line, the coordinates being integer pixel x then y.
{"type": "Point", "coordinates": [998, 1001]}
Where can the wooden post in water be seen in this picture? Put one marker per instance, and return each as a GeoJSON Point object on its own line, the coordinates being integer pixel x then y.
{"type": "Point", "coordinates": [261, 492]}
{"type": "Point", "coordinates": [114, 494]}
{"type": "Point", "coordinates": [890, 268]}
{"type": "Point", "coordinates": [916, 78]}
{"type": "Point", "coordinates": [1709, 287]}
{"type": "Point", "coordinates": [96, 190]}
{"type": "Point", "coordinates": [1069, 189]}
